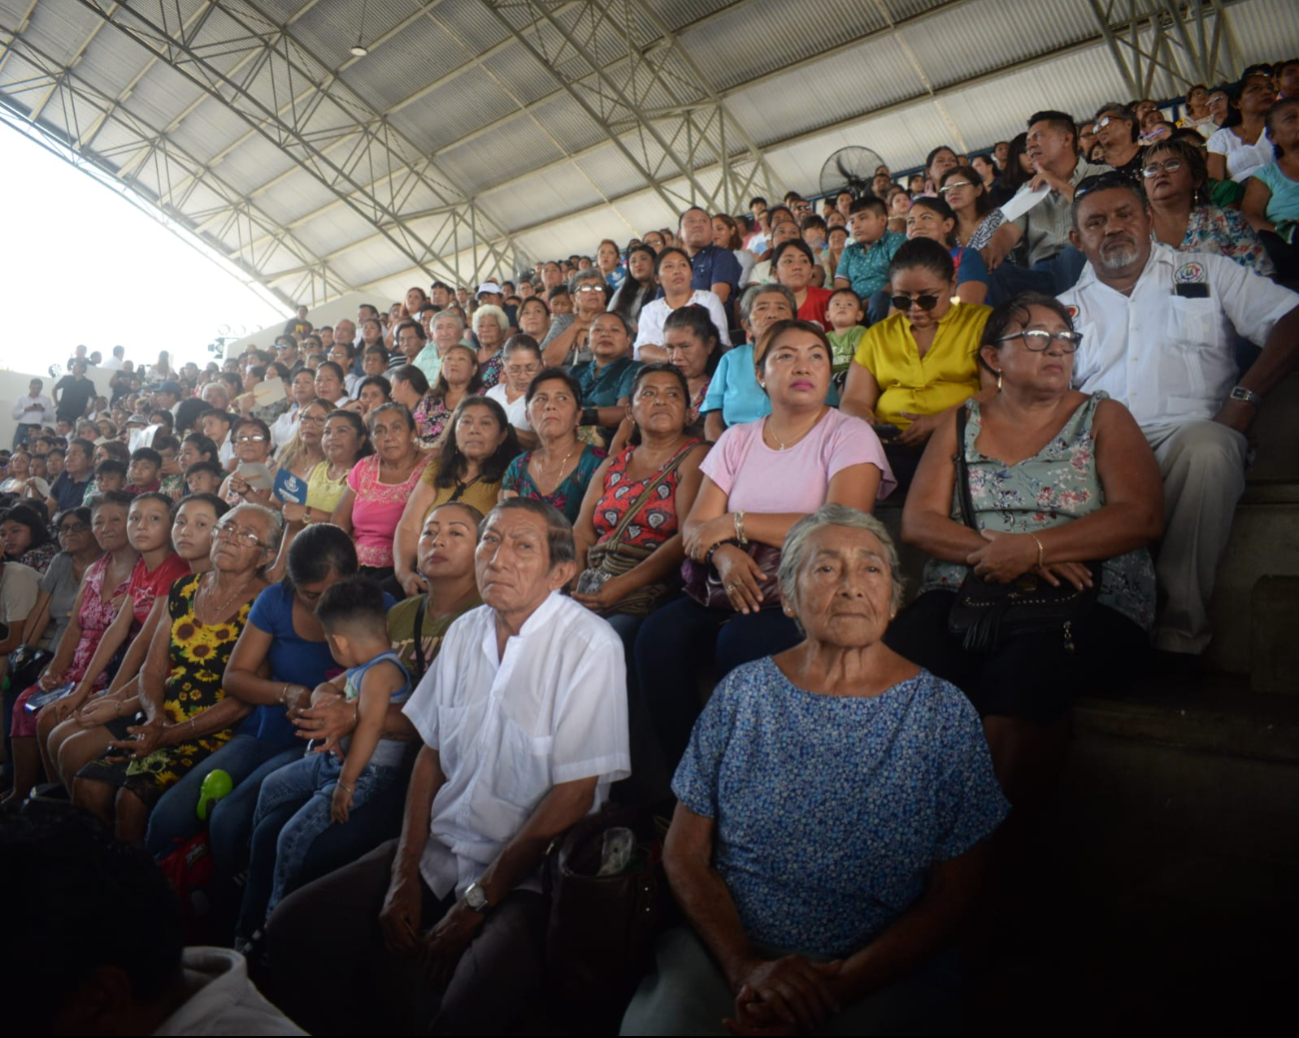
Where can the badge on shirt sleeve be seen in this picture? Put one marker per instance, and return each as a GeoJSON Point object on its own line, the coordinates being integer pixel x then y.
{"type": "Point", "coordinates": [1191, 281]}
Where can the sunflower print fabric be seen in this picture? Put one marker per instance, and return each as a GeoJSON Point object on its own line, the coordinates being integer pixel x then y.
{"type": "Point", "coordinates": [198, 661]}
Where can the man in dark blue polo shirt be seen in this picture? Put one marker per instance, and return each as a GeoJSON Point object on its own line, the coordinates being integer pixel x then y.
{"type": "Point", "coordinates": [69, 489]}
{"type": "Point", "coordinates": [714, 268]}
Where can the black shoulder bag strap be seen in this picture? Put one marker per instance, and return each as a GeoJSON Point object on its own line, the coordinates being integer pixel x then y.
{"type": "Point", "coordinates": [963, 471]}
{"type": "Point", "coordinates": [419, 635]}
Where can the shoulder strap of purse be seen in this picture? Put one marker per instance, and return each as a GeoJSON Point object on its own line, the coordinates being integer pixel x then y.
{"type": "Point", "coordinates": [639, 503]}
{"type": "Point", "coordinates": [419, 633]}
{"type": "Point", "coordinates": [963, 470]}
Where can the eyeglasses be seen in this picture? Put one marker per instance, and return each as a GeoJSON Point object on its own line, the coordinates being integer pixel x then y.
{"type": "Point", "coordinates": [925, 302]}
{"type": "Point", "coordinates": [306, 419]}
{"type": "Point", "coordinates": [590, 286]}
{"type": "Point", "coordinates": [1105, 120]}
{"type": "Point", "coordinates": [954, 185]}
{"type": "Point", "coordinates": [255, 437]}
{"type": "Point", "coordinates": [1167, 166]}
{"type": "Point", "coordinates": [228, 531]}
{"type": "Point", "coordinates": [1036, 340]}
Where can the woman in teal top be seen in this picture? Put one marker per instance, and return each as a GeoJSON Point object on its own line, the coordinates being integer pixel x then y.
{"type": "Point", "coordinates": [559, 470]}
{"type": "Point", "coordinates": [1271, 202]}
{"type": "Point", "coordinates": [1057, 480]}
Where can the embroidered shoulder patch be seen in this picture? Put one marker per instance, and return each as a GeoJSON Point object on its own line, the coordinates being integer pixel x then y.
{"type": "Point", "coordinates": [1190, 273]}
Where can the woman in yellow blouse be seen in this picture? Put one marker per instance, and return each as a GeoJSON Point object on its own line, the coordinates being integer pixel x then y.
{"type": "Point", "coordinates": [921, 361]}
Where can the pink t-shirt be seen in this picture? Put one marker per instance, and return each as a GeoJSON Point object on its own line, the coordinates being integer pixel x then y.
{"type": "Point", "coordinates": [757, 478]}
{"type": "Point", "coordinates": [377, 509]}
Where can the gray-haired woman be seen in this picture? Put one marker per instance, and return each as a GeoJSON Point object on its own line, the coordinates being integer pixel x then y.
{"type": "Point", "coordinates": [818, 890]}
{"type": "Point", "coordinates": [188, 716]}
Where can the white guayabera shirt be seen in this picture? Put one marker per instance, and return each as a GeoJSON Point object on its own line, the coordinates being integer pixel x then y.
{"type": "Point", "coordinates": [551, 709]}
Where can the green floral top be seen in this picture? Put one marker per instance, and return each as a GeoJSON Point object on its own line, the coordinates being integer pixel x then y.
{"type": "Point", "coordinates": [1055, 486]}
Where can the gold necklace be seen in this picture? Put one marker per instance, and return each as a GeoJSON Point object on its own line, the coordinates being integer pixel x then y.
{"type": "Point", "coordinates": [541, 468]}
{"type": "Point", "coordinates": [224, 605]}
{"type": "Point", "coordinates": [794, 440]}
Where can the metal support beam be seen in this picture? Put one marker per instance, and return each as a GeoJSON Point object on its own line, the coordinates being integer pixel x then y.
{"type": "Point", "coordinates": [161, 162]}
{"type": "Point", "coordinates": [277, 90]}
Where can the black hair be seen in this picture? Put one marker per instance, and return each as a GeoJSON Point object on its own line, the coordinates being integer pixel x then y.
{"type": "Point", "coordinates": [870, 203]}
{"type": "Point", "coordinates": [257, 423]}
{"type": "Point", "coordinates": [110, 467]}
{"type": "Point", "coordinates": [412, 374]}
{"type": "Point", "coordinates": [559, 531]}
{"type": "Point", "coordinates": [1061, 121]}
{"type": "Point", "coordinates": [25, 515]}
{"type": "Point", "coordinates": [669, 250]}
{"type": "Point", "coordinates": [332, 366]}
{"type": "Point", "coordinates": [318, 551]}
{"type": "Point", "coordinates": [81, 513]}
{"type": "Point", "coordinates": [203, 445]}
{"type": "Point", "coordinates": [75, 879]}
{"type": "Point", "coordinates": [798, 245]}
{"type": "Point", "coordinates": [697, 320]}
{"type": "Point", "coordinates": [419, 329]}
{"type": "Point", "coordinates": [375, 380]}
{"type": "Point", "coordinates": [923, 254]}
{"type": "Point", "coordinates": [87, 447]}
{"type": "Point", "coordinates": [554, 374]}
{"type": "Point", "coordinates": [1015, 312]}
{"type": "Point", "coordinates": [216, 412]}
{"type": "Point", "coordinates": [147, 454]}
{"type": "Point", "coordinates": [218, 506]}
{"type": "Point", "coordinates": [204, 466]}
{"type": "Point", "coordinates": [662, 367]}
{"type": "Point", "coordinates": [982, 200]}
{"type": "Point", "coordinates": [492, 468]}
{"type": "Point", "coordinates": [929, 159]}
{"type": "Point", "coordinates": [1277, 109]}
{"type": "Point", "coordinates": [1013, 175]}
{"type": "Point", "coordinates": [164, 442]}
{"type": "Point", "coordinates": [111, 497]}
{"type": "Point", "coordinates": [944, 211]}
{"type": "Point", "coordinates": [160, 497]}
{"type": "Point", "coordinates": [353, 602]}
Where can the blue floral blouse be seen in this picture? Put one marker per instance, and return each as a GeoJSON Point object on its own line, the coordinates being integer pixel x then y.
{"type": "Point", "coordinates": [1055, 486]}
{"type": "Point", "coordinates": [831, 810]}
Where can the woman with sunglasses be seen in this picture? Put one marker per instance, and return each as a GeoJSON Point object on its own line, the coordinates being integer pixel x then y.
{"type": "Point", "coordinates": [1182, 216]}
{"type": "Point", "coordinates": [1057, 480]}
{"type": "Point", "coordinates": [920, 362]}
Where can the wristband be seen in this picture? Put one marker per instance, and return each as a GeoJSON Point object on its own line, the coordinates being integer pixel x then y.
{"type": "Point", "coordinates": [1039, 549]}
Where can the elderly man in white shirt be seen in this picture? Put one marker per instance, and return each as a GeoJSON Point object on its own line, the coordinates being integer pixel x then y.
{"type": "Point", "coordinates": [1158, 334]}
{"type": "Point", "coordinates": [524, 720]}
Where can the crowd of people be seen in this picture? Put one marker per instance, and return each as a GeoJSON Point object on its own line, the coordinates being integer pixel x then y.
{"type": "Point", "coordinates": [427, 588]}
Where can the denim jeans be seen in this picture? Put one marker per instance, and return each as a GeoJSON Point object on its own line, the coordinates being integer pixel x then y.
{"type": "Point", "coordinates": [683, 641]}
{"type": "Point", "coordinates": [175, 819]}
{"type": "Point", "coordinates": [305, 787]}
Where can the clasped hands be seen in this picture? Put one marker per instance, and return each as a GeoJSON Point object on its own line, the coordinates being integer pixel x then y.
{"type": "Point", "coordinates": [790, 995]}
{"type": "Point", "coordinates": [440, 948]}
{"type": "Point", "coordinates": [1007, 556]}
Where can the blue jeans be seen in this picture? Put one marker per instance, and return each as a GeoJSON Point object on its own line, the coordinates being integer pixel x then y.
{"type": "Point", "coordinates": [1058, 274]}
{"type": "Point", "coordinates": [303, 791]}
{"type": "Point", "coordinates": [684, 640]}
{"type": "Point", "coordinates": [175, 819]}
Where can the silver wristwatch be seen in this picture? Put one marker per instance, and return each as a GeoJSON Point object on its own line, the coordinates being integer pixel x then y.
{"type": "Point", "coordinates": [1246, 396]}
{"type": "Point", "coordinates": [476, 898]}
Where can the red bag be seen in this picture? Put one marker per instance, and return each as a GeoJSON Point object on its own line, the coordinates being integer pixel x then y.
{"type": "Point", "coordinates": [188, 867]}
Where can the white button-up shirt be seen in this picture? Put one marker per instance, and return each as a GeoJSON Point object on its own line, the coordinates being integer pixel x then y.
{"type": "Point", "coordinates": [1167, 351]}
{"type": "Point", "coordinates": [44, 416]}
{"type": "Point", "coordinates": [653, 315]}
{"type": "Point", "coordinates": [551, 709]}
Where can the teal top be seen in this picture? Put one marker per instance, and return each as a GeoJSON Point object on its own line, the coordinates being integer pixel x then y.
{"type": "Point", "coordinates": [1284, 203]}
{"type": "Point", "coordinates": [568, 495]}
{"type": "Point", "coordinates": [1055, 486]}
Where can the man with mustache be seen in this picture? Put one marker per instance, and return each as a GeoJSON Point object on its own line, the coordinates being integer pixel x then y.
{"type": "Point", "coordinates": [1159, 329]}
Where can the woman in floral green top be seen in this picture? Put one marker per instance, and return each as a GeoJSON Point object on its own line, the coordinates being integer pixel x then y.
{"type": "Point", "coordinates": [1058, 480]}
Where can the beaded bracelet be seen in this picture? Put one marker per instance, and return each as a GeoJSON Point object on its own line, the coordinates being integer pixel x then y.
{"type": "Point", "coordinates": [708, 555]}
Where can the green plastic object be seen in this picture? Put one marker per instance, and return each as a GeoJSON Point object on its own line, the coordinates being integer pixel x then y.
{"type": "Point", "coordinates": [216, 785]}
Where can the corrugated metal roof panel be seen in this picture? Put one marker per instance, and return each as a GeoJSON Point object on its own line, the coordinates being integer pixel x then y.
{"type": "Point", "coordinates": [472, 23]}
{"type": "Point", "coordinates": [525, 77]}
{"type": "Point", "coordinates": [456, 108]}
{"type": "Point", "coordinates": [763, 35]}
{"type": "Point", "coordinates": [611, 171]}
{"type": "Point", "coordinates": [521, 146]}
{"type": "Point", "coordinates": [329, 29]}
{"type": "Point", "coordinates": [210, 128]}
{"type": "Point", "coordinates": [420, 53]}
{"type": "Point", "coordinates": [253, 163]}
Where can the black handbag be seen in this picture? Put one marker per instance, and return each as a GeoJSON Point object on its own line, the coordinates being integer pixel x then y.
{"type": "Point", "coordinates": [26, 663]}
{"type": "Point", "coordinates": [984, 613]}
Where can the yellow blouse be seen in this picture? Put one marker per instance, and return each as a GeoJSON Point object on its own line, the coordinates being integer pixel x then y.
{"type": "Point", "coordinates": [480, 493]}
{"type": "Point", "coordinates": [322, 492]}
{"type": "Point", "coordinates": [945, 376]}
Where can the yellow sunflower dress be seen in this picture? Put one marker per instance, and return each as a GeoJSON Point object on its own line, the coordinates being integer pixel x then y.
{"type": "Point", "coordinates": [198, 656]}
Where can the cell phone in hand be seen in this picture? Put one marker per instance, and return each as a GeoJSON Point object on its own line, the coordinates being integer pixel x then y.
{"type": "Point", "coordinates": [886, 430]}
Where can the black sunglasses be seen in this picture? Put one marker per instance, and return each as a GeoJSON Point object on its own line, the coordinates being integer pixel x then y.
{"type": "Point", "coordinates": [1101, 182]}
{"type": "Point", "coordinates": [904, 303]}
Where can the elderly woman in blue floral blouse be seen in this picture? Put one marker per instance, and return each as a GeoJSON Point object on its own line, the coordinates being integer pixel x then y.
{"type": "Point", "coordinates": [834, 807]}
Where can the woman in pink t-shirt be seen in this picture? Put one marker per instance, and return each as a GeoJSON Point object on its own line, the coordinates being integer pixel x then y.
{"type": "Point", "coordinates": [759, 480]}
{"type": "Point", "coordinates": [378, 488]}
